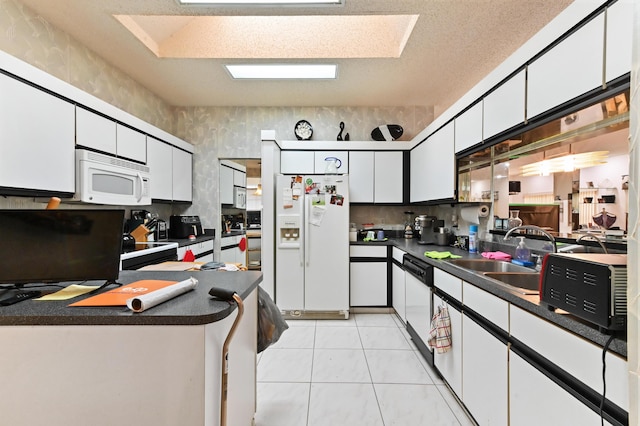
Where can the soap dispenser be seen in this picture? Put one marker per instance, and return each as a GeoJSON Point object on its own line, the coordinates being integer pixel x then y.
{"type": "Point", "coordinates": [522, 251]}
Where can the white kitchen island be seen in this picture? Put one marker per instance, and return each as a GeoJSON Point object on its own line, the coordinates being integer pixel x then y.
{"type": "Point", "coordinates": [107, 366]}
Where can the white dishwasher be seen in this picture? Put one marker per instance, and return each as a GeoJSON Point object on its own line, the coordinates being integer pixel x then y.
{"type": "Point", "coordinates": [419, 300]}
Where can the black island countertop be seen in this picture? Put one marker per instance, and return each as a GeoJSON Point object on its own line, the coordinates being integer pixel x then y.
{"type": "Point", "coordinates": [530, 303]}
{"type": "Point", "coordinates": [195, 307]}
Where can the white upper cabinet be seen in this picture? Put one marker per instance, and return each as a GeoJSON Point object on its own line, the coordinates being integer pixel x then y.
{"type": "Point", "coordinates": [388, 173]}
{"type": "Point", "coordinates": [160, 162]}
{"type": "Point", "coordinates": [504, 107]}
{"type": "Point", "coordinates": [619, 37]}
{"type": "Point", "coordinates": [95, 131]}
{"type": "Point", "coordinates": [432, 172]}
{"type": "Point", "coordinates": [171, 171]}
{"type": "Point", "coordinates": [321, 159]}
{"type": "Point", "coordinates": [239, 178]}
{"type": "Point", "coordinates": [226, 185]}
{"type": "Point", "coordinates": [131, 144]}
{"type": "Point", "coordinates": [361, 177]}
{"type": "Point", "coordinates": [571, 68]}
{"type": "Point", "coordinates": [376, 177]}
{"type": "Point", "coordinates": [182, 175]}
{"type": "Point", "coordinates": [103, 134]}
{"type": "Point", "coordinates": [36, 139]}
{"type": "Point", "coordinates": [468, 128]}
{"type": "Point", "coordinates": [312, 162]}
{"type": "Point", "coordinates": [297, 162]}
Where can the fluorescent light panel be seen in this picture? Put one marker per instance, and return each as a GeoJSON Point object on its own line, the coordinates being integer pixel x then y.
{"type": "Point", "coordinates": [567, 163]}
{"type": "Point", "coordinates": [260, 2]}
{"type": "Point", "coordinates": [283, 71]}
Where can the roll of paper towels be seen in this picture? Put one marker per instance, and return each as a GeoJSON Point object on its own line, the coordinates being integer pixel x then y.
{"type": "Point", "coordinates": [473, 214]}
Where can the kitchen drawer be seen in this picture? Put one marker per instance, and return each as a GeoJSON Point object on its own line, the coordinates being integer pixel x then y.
{"type": "Point", "coordinates": [577, 356]}
{"type": "Point", "coordinates": [397, 254]}
{"type": "Point", "coordinates": [198, 249]}
{"type": "Point", "coordinates": [492, 308]}
{"type": "Point", "coordinates": [230, 241]}
{"type": "Point", "coordinates": [368, 251]}
{"type": "Point", "coordinates": [448, 283]}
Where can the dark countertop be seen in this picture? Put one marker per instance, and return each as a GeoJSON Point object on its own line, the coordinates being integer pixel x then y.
{"type": "Point", "coordinates": [186, 242]}
{"type": "Point", "coordinates": [530, 303]}
{"type": "Point", "coordinates": [233, 233]}
{"type": "Point", "coordinates": [195, 307]}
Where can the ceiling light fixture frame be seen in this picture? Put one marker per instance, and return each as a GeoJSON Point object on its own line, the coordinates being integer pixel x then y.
{"type": "Point", "coordinates": [289, 67]}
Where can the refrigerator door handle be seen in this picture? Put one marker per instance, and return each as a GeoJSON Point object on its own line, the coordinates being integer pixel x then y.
{"type": "Point", "coordinates": [307, 235]}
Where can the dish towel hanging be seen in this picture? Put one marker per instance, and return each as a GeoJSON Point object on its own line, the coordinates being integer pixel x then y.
{"type": "Point", "coordinates": [440, 334]}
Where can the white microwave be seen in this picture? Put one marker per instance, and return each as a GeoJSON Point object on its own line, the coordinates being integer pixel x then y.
{"type": "Point", "coordinates": [103, 179]}
{"type": "Point", "coordinates": [239, 197]}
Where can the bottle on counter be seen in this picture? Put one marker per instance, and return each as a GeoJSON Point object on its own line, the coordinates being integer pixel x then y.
{"type": "Point", "coordinates": [473, 238]}
{"type": "Point", "coordinates": [522, 251]}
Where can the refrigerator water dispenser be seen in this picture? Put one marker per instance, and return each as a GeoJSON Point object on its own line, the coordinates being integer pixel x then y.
{"type": "Point", "coordinates": [289, 234]}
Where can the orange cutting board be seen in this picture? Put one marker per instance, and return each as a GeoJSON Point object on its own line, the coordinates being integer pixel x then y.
{"type": "Point", "coordinates": [119, 296]}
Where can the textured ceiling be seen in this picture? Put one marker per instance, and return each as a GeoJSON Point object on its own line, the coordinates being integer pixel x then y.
{"type": "Point", "coordinates": [453, 45]}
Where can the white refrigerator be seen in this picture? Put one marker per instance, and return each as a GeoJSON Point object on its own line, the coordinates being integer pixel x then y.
{"type": "Point", "coordinates": [312, 245]}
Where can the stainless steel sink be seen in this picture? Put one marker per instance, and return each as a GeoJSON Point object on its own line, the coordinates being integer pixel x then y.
{"type": "Point", "coordinates": [522, 282]}
{"type": "Point", "coordinates": [487, 265]}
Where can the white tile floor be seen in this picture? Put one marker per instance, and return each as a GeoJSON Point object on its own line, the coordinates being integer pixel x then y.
{"type": "Point", "coordinates": [360, 371]}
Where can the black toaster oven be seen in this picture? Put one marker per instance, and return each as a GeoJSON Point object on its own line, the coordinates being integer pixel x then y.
{"type": "Point", "coordinates": [182, 226]}
{"type": "Point", "coordinates": [591, 286]}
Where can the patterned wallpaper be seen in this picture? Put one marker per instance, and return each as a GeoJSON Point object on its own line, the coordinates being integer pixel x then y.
{"type": "Point", "coordinates": [234, 133]}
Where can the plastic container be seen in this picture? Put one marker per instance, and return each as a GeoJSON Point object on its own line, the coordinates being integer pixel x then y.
{"type": "Point", "coordinates": [473, 237]}
{"type": "Point", "coordinates": [522, 251]}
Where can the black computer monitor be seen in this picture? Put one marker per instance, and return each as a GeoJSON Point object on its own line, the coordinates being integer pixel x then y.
{"type": "Point", "coordinates": [44, 246]}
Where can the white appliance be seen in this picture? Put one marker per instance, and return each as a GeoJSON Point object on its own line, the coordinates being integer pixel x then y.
{"type": "Point", "coordinates": [312, 245]}
{"type": "Point", "coordinates": [239, 197]}
{"type": "Point", "coordinates": [103, 179]}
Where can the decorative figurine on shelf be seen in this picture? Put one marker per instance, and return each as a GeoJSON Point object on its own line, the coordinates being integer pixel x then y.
{"type": "Point", "coordinates": [604, 219]}
{"type": "Point", "coordinates": [346, 135]}
{"type": "Point", "coordinates": [388, 132]}
{"type": "Point", "coordinates": [514, 219]}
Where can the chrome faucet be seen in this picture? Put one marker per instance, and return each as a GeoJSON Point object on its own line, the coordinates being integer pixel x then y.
{"type": "Point", "coordinates": [534, 228]}
{"type": "Point", "coordinates": [596, 238]}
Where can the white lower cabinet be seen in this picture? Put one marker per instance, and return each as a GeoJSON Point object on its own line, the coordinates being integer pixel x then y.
{"type": "Point", "coordinates": [536, 400]}
{"type": "Point", "coordinates": [368, 276]}
{"type": "Point", "coordinates": [230, 250]}
{"type": "Point", "coordinates": [485, 378]}
{"type": "Point", "coordinates": [418, 306]}
{"type": "Point", "coordinates": [368, 284]}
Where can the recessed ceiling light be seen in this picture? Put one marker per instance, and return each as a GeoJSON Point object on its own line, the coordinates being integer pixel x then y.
{"type": "Point", "coordinates": [261, 2]}
{"type": "Point", "coordinates": [283, 71]}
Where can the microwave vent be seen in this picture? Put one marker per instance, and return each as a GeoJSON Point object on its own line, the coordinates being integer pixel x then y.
{"type": "Point", "coordinates": [115, 161]}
